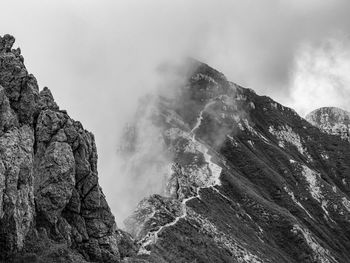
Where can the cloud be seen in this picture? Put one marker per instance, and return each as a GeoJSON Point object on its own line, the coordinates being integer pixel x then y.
{"type": "Point", "coordinates": [321, 77]}
{"type": "Point", "coordinates": [144, 162]}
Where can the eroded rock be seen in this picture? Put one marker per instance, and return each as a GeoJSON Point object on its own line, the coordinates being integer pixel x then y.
{"type": "Point", "coordinates": [16, 187]}
{"type": "Point", "coordinates": [54, 181]}
{"type": "Point", "coordinates": [49, 186]}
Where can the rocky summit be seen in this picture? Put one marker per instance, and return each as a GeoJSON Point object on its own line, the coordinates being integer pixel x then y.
{"type": "Point", "coordinates": [240, 178]}
{"type": "Point", "coordinates": [331, 120]}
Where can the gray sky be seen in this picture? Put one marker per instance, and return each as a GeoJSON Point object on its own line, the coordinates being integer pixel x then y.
{"type": "Point", "coordinates": [98, 57]}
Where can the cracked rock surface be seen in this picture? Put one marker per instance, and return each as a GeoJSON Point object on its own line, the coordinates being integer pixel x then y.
{"type": "Point", "coordinates": [52, 208]}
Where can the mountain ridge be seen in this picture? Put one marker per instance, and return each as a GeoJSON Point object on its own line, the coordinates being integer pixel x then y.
{"type": "Point", "coordinates": [277, 195]}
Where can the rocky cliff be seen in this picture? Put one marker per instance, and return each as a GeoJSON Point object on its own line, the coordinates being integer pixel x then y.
{"type": "Point", "coordinates": [248, 180]}
{"type": "Point", "coordinates": [331, 120]}
{"type": "Point", "coordinates": [52, 208]}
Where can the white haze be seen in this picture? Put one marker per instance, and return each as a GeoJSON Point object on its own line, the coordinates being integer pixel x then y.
{"type": "Point", "coordinates": [99, 57]}
{"type": "Point", "coordinates": [322, 76]}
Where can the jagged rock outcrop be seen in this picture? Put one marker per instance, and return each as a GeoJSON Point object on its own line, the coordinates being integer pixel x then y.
{"type": "Point", "coordinates": [249, 179]}
{"type": "Point", "coordinates": [52, 208]}
{"type": "Point", "coordinates": [331, 120]}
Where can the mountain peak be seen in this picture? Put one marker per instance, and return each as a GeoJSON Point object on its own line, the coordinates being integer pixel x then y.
{"type": "Point", "coordinates": [243, 179]}
{"type": "Point", "coordinates": [332, 120]}
{"type": "Point", "coordinates": [6, 43]}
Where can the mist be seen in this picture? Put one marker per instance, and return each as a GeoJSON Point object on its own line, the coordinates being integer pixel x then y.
{"type": "Point", "coordinates": [100, 57]}
{"type": "Point", "coordinates": [321, 77]}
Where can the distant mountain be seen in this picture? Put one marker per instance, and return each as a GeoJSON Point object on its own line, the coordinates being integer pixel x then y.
{"type": "Point", "coordinates": [331, 120]}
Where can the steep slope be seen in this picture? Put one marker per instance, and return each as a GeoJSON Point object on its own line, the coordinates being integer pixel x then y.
{"type": "Point", "coordinates": [248, 180]}
{"type": "Point", "coordinates": [52, 208]}
{"type": "Point", "coordinates": [331, 120]}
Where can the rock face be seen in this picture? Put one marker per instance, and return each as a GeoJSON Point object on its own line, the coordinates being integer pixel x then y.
{"type": "Point", "coordinates": [248, 179]}
{"type": "Point", "coordinates": [331, 120]}
{"type": "Point", "coordinates": [52, 208]}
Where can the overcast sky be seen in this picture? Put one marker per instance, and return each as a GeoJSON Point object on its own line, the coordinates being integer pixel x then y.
{"type": "Point", "coordinates": [98, 57]}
